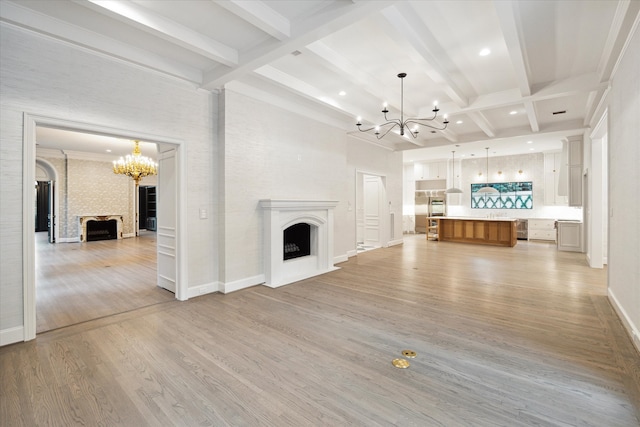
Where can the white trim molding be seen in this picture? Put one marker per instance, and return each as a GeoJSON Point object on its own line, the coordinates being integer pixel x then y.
{"type": "Point", "coordinates": [208, 288]}
{"type": "Point", "coordinates": [11, 335]}
{"type": "Point", "coordinates": [30, 123]}
{"type": "Point", "coordinates": [631, 329]}
{"type": "Point", "coordinates": [237, 285]}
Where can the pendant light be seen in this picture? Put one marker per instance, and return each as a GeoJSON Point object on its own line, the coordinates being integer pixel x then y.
{"type": "Point", "coordinates": [486, 189]}
{"type": "Point", "coordinates": [453, 189]}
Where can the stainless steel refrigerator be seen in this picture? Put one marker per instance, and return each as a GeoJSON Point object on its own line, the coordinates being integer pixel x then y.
{"type": "Point", "coordinates": [428, 203]}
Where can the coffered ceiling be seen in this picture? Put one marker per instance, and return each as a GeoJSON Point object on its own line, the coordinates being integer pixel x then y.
{"type": "Point", "coordinates": [549, 65]}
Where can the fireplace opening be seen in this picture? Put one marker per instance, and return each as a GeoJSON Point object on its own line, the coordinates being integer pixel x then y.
{"type": "Point", "coordinates": [297, 241]}
{"type": "Point", "coordinates": [102, 230]}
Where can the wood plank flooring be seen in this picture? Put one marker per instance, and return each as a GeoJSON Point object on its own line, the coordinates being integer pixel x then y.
{"type": "Point", "coordinates": [77, 282]}
{"type": "Point", "coordinates": [517, 336]}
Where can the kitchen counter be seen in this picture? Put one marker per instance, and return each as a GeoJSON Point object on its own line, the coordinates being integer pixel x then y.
{"type": "Point", "coordinates": [483, 231]}
{"type": "Point", "coordinates": [467, 218]}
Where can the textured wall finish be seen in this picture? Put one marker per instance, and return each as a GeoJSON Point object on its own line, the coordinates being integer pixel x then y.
{"type": "Point", "coordinates": [42, 76]}
{"type": "Point", "coordinates": [624, 191]}
{"type": "Point", "coordinates": [93, 189]}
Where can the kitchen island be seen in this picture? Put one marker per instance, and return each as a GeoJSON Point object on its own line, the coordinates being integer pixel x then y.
{"type": "Point", "coordinates": [483, 231]}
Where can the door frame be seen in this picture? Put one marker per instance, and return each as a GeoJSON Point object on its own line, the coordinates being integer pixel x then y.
{"type": "Point", "coordinates": [385, 233]}
{"type": "Point", "coordinates": [52, 174]}
{"type": "Point", "coordinates": [30, 123]}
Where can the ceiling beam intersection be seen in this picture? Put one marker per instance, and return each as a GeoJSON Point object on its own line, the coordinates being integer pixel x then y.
{"type": "Point", "coordinates": [260, 15]}
{"type": "Point", "coordinates": [153, 23]}
{"type": "Point", "coordinates": [404, 19]}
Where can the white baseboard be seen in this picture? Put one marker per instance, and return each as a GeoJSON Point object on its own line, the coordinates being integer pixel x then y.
{"type": "Point", "coordinates": [352, 253]}
{"type": "Point", "coordinates": [632, 329]}
{"type": "Point", "coordinates": [68, 240]}
{"type": "Point", "coordinates": [395, 242]}
{"type": "Point", "coordinates": [208, 288]}
{"type": "Point", "coordinates": [11, 335]}
{"type": "Point", "coordinates": [225, 288]}
{"type": "Point", "coordinates": [341, 258]}
{"type": "Point", "coordinates": [128, 235]}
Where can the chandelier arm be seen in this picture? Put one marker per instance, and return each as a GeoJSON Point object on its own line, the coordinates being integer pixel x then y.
{"type": "Point", "coordinates": [417, 122]}
{"type": "Point", "coordinates": [435, 114]}
{"type": "Point", "coordinates": [366, 130]}
{"type": "Point", "coordinates": [393, 122]}
{"type": "Point", "coordinates": [388, 130]}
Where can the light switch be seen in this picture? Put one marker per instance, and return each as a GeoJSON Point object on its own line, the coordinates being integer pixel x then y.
{"type": "Point", "coordinates": [203, 213]}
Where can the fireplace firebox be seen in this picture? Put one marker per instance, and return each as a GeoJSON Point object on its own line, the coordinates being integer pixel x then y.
{"type": "Point", "coordinates": [100, 227]}
{"type": "Point", "coordinates": [102, 230]}
{"type": "Point", "coordinates": [297, 241]}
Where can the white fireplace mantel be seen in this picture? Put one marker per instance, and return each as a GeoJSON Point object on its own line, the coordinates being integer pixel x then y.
{"type": "Point", "coordinates": [280, 214]}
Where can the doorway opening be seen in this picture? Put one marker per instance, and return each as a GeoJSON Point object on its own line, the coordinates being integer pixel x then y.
{"type": "Point", "coordinates": [97, 278]}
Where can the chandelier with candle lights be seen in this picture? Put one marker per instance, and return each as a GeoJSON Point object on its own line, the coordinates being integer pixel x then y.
{"type": "Point", "coordinates": [404, 124]}
{"type": "Point", "coordinates": [136, 166]}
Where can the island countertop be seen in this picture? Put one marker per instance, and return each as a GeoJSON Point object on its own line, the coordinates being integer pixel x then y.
{"type": "Point", "coordinates": [471, 218]}
{"type": "Point", "coordinates": [483, 231]}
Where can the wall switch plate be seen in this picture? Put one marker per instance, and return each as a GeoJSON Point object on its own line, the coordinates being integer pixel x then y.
{"type": "Point", "coordinates": [203, 213]}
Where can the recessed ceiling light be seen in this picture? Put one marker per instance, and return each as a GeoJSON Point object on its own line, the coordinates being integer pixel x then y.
{"type": "Point", "coordinates": [459, 122]}
{"type": "Point", "coordinates": [513, 112]}
{"type": "Point", "coordinates": [484, 52]}
{"type": "Point", "coordinates": [108, 151]}
{"type": "Point", "coordinates": [342, 93]}
{"type": "Point", "coordinates": [529, 142]}
{"type": "Point", "coordinates": [530, 149]}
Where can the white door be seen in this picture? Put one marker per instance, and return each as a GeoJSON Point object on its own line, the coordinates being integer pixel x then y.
{"type": "Point", "coordinates": [372, 211]}
{"type": "Point", "coordinates": [167, 219]}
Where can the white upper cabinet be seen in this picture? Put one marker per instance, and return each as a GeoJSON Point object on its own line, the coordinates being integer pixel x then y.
{"type": "Point", "coordinates": [554, 180]}
{"type": "Point", "coordinates": [437, 170]}
{"type": "Point", "coordinates": [575, 170]}
{"type": "Point", "coordinates": [430, 170]}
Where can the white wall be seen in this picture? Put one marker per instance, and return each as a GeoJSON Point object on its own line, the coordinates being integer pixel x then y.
{"type": "Point", "coordinates": [270, 153]}
{"type": "Point", "coordinates": [624, 188]}
{"type": "Point", "coordinates": [45, 77]}
{"type": "Point", "coordinates": [370, 159]}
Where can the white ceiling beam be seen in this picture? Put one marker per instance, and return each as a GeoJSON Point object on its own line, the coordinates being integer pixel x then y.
{"type": "Point", "coordinates": [164, 28]}
{"type": "Point", "coordinates": [515, 44]}
{"type": "Point", "coordinates": [530, 108]}
{"type": "Point", "coordinates": [43, 24]}
{"type": "Point", "coordinates": [337, 16]}
{"type": "Point", "coordinates": [511, 30]}
{"type": "Point", "coordinates": [481, 121]}
{"type": "Point", "coordinates": [626, 14]}
{"type": "Point", "coordinates": [558, 89]}
{"type": "Point", "coordinates": [305, 90]}
{"type": "Point", "coordinates": [260, 15]}
{"type": "Point", "coordinates": [555, 130]}
{"type": "Point", "coordinates": [355, 74]}
{"type": "Point", "coordinates": [359, 77]}
{"type": "Point", "coordinates": [409, 26]}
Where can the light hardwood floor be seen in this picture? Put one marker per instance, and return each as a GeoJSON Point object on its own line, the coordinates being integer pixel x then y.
{"type": "Point", "coordinates": [504, 337]}
{"type": "Point", "coordinates": [77, 282]}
